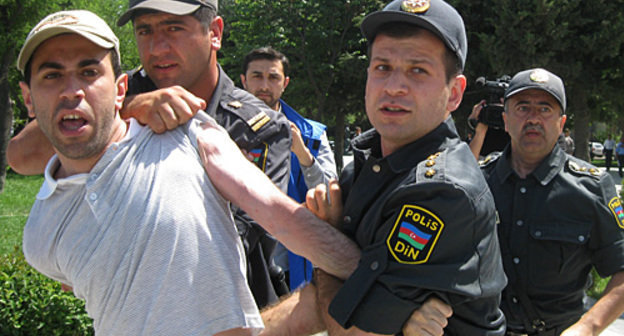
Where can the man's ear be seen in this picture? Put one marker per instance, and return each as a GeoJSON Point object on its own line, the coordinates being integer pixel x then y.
{"type": "Point", "coordinates": [122, 88]}
{"type": "Point", "coordinates": [505, 121]}
{"type": "Point", "coordinates": [563, 120]}
{"type": "Point", "coordinates": [216, 28]}
{"type": "Point", "coordinates": [27, 99]}
{"type": "Point", "coordinates": [456, 94]}
{"type": "Point", "coordinates": [286, 81]}
{"type": "Point", "coordinates": [243, 81]}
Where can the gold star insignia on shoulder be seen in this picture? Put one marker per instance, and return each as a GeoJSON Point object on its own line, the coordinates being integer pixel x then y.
{"type": "Point", "coordinates": [415, 6]}
{"type": "Point", "coordinates": [235, 104]}
{"type": "Point", "coordinates": [434, 156]}
{"type": "Point", "coordinates": [430, 173]}
{"type": "Point", "coordinates": [574, 166]}
{"type": "Point", "coordinates": [594, 171]}
{"type": "Point", "coordinates": [430, 163]}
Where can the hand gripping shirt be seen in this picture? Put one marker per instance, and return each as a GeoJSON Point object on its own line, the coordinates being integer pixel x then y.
{"type": "Point", "coordinates": [144, 239]}
{"type": "Point", "coordinates": [425, 221]}
{"type": "Point", "coordinates": [265, 134]}
{"type": "Point", "coordinates": [556, 224]}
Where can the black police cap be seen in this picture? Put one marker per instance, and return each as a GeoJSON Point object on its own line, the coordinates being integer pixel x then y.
{"type": "Point", "coordinates": [436, 16]}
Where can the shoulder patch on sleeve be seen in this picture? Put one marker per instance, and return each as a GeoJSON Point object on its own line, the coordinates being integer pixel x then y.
{"type": "Point", "coordinates": [259, 155]}
{"type": "Point", "coordinates": [615, 205]}
{"type": "Point", "coordinates": [414, 235]}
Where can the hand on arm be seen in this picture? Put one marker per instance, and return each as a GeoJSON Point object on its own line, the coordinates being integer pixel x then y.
{"type": "Point", "coordinates": [604, 312]}
{"type": "Point", "coordinates": [324, 206]}
{"type": "Point", "coordinates": [296, 227]}
{"type": "Point", "coordinates": [29, 151]}
{"type": "Point", "coordinates": [480, 130]}
{"type": "Point", "coordinates": [162, 109]}
{"type": "Point", "coordinates": [299, 148]}
{"type": "Point", "coordinates": [430, 319]}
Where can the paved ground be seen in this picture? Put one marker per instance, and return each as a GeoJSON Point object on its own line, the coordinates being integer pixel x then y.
{"type": "Point", "coordinates": [617, 327]}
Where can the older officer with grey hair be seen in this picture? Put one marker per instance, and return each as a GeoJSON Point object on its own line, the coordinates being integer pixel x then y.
{"type": "Point", "coordinates": [560, 217]}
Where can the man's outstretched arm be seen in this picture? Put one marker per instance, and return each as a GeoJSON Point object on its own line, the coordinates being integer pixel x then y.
{"type": "Point", "coordinates": [291, 223]}
{"type": "Point", "coordinates": [29, 151]}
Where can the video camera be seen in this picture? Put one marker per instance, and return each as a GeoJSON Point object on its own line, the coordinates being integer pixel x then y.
{"type": "Point", "coordinates": [491, 114]}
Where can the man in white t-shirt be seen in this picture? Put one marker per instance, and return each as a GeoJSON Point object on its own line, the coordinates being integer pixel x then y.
{"type": "Point", "coordinates": [108, 220]}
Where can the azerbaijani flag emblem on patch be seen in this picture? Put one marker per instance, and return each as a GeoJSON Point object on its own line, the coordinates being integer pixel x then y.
{"type": "Point", "coordinates": [616, 208]}
{"type": "Point", "coordinates": [259, 155]}
{"type": "Point", "coordinates": [414, 235]}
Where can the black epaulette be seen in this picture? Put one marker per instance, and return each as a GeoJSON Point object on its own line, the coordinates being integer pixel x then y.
{"type": "Point", "coordinates": [582, 168]}
{"type": "Point", "coordinates": [490, 159]}
{"type": "Point", "coordinates": [253, 115]}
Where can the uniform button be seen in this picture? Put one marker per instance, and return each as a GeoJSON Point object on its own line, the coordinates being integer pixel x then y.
{"type": "Point", "coordinates": [520, 222]}
{"type": "Point", "coordinates": [93, 177]}
{"type": "Point", "coordinates": [581, 238]}
{"type": "Point", "coordinates": [514, 299]}
{"type": "Point", "coordinates": [516, 260]}
{"type": "Point", "coordinates": [376, 168]}
{"type": "Point", "coordinates": [374, 266]}
{"type": "Point", "coordinates": [538, 233]}
{"type": "Point", "coordinates": [347, 219]}
{"type": "Point", "coordinates": [93, 196]}
{"type": "Point", "coordinates": [523, 190]}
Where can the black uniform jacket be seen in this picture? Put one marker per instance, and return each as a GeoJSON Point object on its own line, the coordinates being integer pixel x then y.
{"type": "Point", "coordinates": [558, 222]}
{"type": "Point", "coordinates": [426, 223]}
{"type": "Point", "coordinates": [265, 134]}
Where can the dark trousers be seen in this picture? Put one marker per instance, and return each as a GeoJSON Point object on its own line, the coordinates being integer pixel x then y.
{"type": "Point", "coordinates": [608, 155]}
{"type": "Point", "coordinates": [620, 164]}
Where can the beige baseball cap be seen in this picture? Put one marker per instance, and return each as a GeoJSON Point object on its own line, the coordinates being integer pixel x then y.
{"type": "Point", "coordinates": [81, 22]}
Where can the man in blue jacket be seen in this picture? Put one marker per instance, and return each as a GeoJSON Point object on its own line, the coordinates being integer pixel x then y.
{"type": "Point", "coordinates": [265, 75]}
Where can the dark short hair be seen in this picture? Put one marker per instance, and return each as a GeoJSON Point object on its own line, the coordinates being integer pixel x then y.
{"type": "Point", "coordinates": [452, 64]}
{"type": "Point", "coordinates": [115, 63]}
{"type": "Point", "coordinates": [266, 53]}
{"type": "Point", "coordinates": [203, 14]}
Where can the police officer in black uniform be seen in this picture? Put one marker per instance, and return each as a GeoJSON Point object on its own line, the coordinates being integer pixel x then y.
{"type": "Point", "coordinates": [257, 129]}
{"type": "Point", "coordinates": [415, 200]}
{"type": "Point", "coordinates": [559, 217]}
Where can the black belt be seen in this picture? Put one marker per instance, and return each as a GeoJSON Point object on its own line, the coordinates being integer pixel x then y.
{"type": "Point", "coordinates": [548, 332]}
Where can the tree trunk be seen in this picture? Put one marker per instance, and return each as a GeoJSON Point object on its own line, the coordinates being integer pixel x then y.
{"type": "Point", "coordinates": [578, 100]}
{"type": "Point", "coordinates": [6, 114]}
